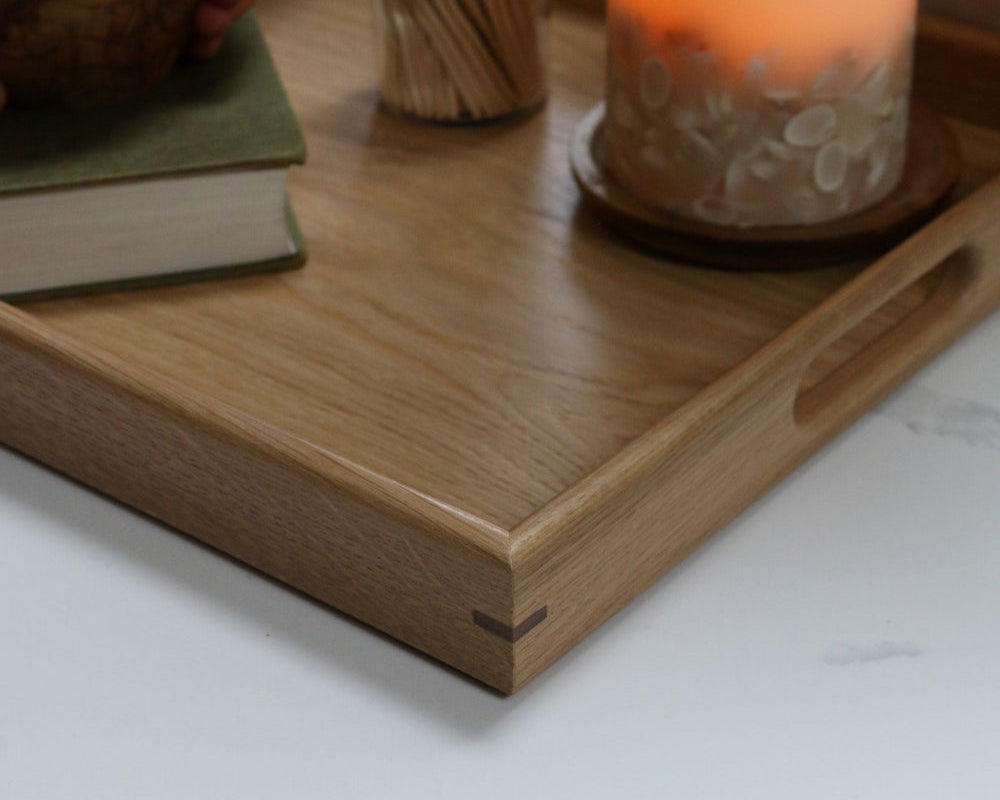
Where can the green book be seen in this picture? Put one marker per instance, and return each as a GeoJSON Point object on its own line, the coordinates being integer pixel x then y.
{"type": "Point", "coordinates": [186, 182]}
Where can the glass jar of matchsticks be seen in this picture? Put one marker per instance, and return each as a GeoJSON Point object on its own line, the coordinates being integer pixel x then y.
{"type": "Point", "coordinates": [461, 60]}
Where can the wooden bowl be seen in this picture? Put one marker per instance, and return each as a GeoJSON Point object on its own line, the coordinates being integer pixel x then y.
{"type": "Point", "coordinates": [86, 53]}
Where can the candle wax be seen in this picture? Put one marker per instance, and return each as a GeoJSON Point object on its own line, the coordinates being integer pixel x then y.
{"type": "Point", "coordinates": [759, 112]}
{"type": "Point", "coordinates": [801, 36]}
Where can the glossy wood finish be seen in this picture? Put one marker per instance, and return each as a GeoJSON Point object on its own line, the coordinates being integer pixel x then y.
{"type": "Point", "coordinates": [476, 420]}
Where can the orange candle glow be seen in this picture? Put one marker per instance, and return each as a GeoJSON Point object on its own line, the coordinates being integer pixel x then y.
{"type": "Point", "coordinates": [804, 35]}
{"type": "Point", "coordinates": [759, 112]}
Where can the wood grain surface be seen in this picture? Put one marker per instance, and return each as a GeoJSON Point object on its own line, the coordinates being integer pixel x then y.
{"type": "Point", "coordinates": [462, 327]}
{"type": "Point", "coordinates": [475, 403]}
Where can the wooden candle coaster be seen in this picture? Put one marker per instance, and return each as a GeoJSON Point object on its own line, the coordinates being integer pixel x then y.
{"type": "Point", "coordinates": [932, 169]}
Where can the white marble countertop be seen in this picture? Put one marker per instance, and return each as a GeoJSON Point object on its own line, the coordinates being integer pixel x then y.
{"type": "Point", "coordinates": [839, 640]}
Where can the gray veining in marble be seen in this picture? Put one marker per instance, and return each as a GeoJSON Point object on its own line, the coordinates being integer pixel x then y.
{"type": "Point", "coordinates": [929, 412]}
{"type": "Point", "coordinates": [854, 655]}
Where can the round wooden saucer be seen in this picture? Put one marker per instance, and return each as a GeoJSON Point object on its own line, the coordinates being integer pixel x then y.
{"type": "Point", "coordinates": [932, 169]}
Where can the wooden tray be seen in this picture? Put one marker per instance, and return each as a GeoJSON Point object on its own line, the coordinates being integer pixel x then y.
{"type": "Point", "coordinates": [477, 420]}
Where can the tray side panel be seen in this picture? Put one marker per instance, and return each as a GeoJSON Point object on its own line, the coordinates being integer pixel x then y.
{"type": "Point", "coordinates": [946, 49]}
{"type": "Point", "coordinates": [599, 546]}
{"type": "Point", "coordinates": [398, 572]}
{"type": "Point", "coordinates": [976, 12]}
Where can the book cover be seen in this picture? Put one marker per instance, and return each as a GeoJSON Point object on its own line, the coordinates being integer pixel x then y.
{"type": "Point", "coordinates": [227, 115]}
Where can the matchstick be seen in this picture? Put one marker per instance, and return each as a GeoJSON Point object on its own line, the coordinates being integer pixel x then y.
{"type": "Point", "coordinates": [455, 60]}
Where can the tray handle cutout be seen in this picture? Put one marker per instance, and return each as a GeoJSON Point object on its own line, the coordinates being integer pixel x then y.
{"type": "Point", "coordinates": [902, 310]}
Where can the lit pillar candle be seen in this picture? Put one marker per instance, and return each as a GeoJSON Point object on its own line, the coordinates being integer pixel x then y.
{"type": "Point", "coordinates": [758, 112]}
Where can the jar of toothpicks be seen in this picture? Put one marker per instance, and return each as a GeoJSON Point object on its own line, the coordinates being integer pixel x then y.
{"type": "Point", "coordinates": [461, 60]}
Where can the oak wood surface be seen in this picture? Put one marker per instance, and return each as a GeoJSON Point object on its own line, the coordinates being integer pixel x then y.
{"type": "Point", "coordinates": [476, 403]}
{"type": "Point", "coordinates": [462, 326]}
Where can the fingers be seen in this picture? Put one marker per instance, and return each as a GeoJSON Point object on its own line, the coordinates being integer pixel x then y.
{"type": "Point", "coordinates": [213, 17]}
{"type": "Point", "coordinates": [211, 20]}
{"type": "Point", "coordinates": [202, 48]}
{"type": "Point", "coordinates": [240, 6]}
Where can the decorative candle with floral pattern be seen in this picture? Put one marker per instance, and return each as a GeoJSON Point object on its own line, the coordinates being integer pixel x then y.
{"type": "Point", "coordinates": [758, 112]}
